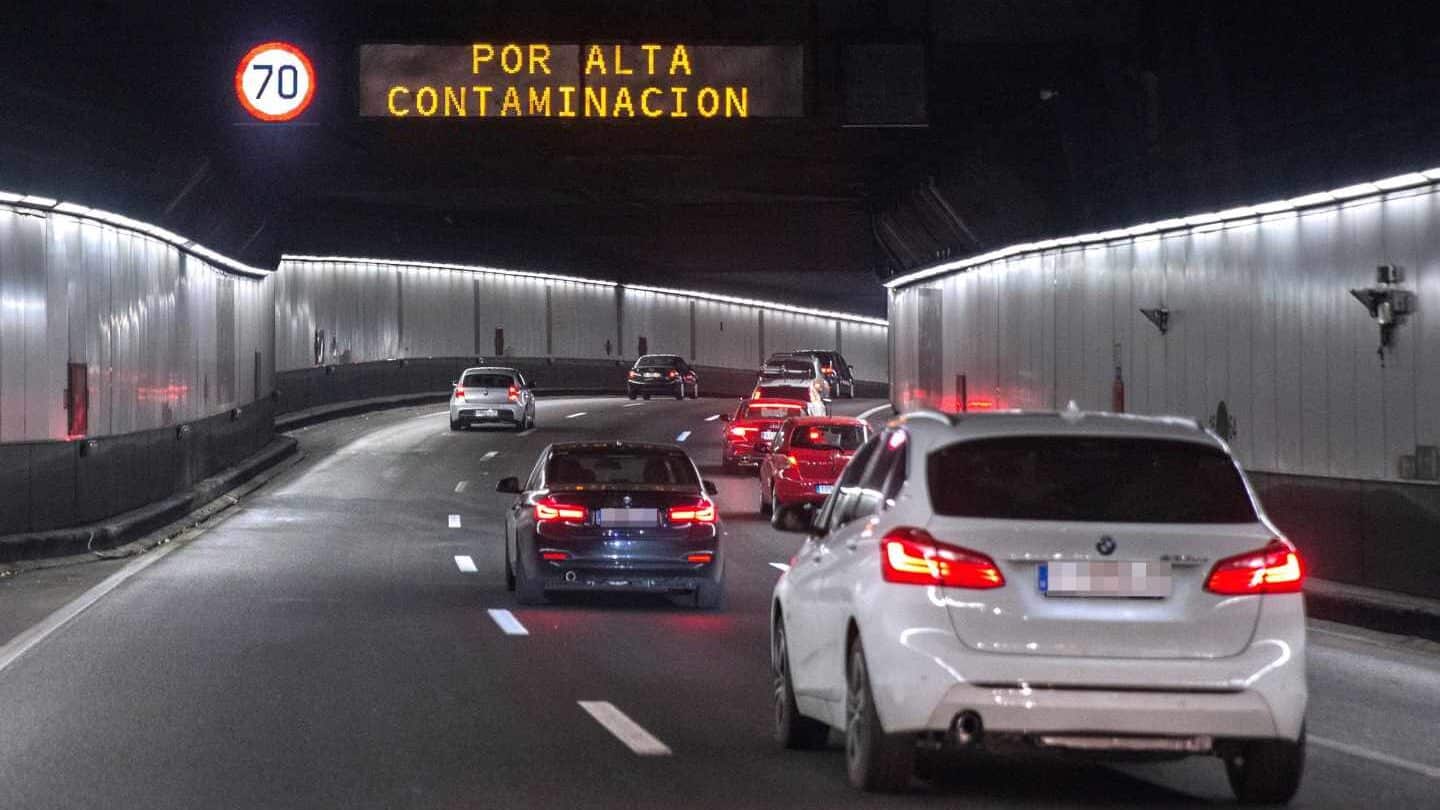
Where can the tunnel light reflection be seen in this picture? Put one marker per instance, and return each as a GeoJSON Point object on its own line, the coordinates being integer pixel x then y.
{"type": "Point", "coordinates": [1202, 220]}
{"type": "Point", "coordinates": [21, 202]}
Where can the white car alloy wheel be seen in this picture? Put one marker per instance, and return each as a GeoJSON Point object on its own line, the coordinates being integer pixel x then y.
{"type": "Point", "coordinates": [792, 729]}
{"type": "Point", "coordinates": [875, 761]}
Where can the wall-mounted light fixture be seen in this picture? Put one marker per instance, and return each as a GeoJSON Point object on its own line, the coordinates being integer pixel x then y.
{"type": "Point", "coordinates": [1159, 316]}
{"type": "Point", "coordinates": [1387, 304]}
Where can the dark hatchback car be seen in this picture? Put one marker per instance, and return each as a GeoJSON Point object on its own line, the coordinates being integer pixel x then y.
{"type": "Point", "coordinates": [614, 516]}
{"type": "Point", "coordinates": [662, 374]}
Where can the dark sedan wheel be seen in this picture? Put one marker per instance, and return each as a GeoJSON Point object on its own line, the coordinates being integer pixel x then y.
{"type": "Point", "coordinates": [509, 572]}
{"type": "Point", "coordinates": [631, 391]}
{"type": "Point", "coordinates": [646, 396]}
{"type": "Point", "coordinates": [792, 729]}
{"type": "Point", "coordinates": [710, 595]}
{"type": "Point", "coordinates": [1266, 771]}
{"type": "Point", "coordinates": [874, 760]}
{"type": "Point", "coordinates": [527, 592]}
{"type": "Point", "coordinates": [767, 501]}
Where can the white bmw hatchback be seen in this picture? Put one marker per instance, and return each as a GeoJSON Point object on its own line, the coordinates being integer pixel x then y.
{"type": "Point", "coordinates": [1070, 581]}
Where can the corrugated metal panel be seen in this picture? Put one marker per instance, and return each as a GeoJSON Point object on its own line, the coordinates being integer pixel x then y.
{"type": "Point", "coordinates": [137, 313]}
{"type": "Point", "coordinates": [1260, 318]}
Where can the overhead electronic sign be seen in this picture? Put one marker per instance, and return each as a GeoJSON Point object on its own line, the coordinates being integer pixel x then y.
{"type": "Point", "coordinates": [594, 80]}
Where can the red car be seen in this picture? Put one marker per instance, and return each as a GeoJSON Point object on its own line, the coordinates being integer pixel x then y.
{"type": "Point", "coordinates": [805, 460]}
{"type": "Point", "coordinates": [749, 431]}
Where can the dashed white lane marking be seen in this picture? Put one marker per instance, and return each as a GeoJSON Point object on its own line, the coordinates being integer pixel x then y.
{"type": "Point", "coordinates": [491, 454]}
{"type": "Point", "coordinates": [465, 563]}
{"type": "Point", "coordinates": [627, 731]}
{"type": "Point", "coordinates": [462, 486]}
{"type": "Point", "coordinates": [633, 405]}
{"type": "Point", "coordinates": [508, 623]}
{"type": "Point", "coordinates": [22, 643]}
{"type": "Point", "coordinates": [780, 566]}
{"type": "Point", "coordinates": [454, 521]}
{"type": "Point", "coordinates": [1429, 771]}
{"type": "Point", "coordinates": [684, 434]}
{"type": "Point", "coordinates": [526, 432]}
{"type": "Point", "coordinates": [712, 418]}
{"type": "Point", "coordinates": [873, 411]}
{"type": "Point", "coordinates": [574, 415]}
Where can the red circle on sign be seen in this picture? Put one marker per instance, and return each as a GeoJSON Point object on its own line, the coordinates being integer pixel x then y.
{"type": "Point", "coordinates": [240, 81]}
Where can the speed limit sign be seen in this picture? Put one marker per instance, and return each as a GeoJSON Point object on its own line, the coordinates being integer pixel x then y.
{"type": "Point", "coordinates": [275, 81]}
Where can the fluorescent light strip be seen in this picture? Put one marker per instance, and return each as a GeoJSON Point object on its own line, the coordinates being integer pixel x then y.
{"type": "Point", "coordinates": [469, 268]}
{"type": "Point", "coordinates": [1205, 222]}
{"type": "Point", "coordinates": [121, 221]}
{"type": "Point", "coordinates": [751, 302]}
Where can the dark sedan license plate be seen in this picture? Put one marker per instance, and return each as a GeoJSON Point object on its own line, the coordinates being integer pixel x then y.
{"type": "Point", "coordinates": [1132, 580]}
{"type": "Point", "coordinates": [628, 517]}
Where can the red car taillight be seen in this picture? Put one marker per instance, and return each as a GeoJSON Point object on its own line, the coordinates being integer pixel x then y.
{"type": "Point", "coordinates": [912, 557]}
{"type": "Point", "coordinates": [633, 374]}
{"type": "Point", "coordinates": [739, 432]}
{"type": "Point", "coordinates": [700, 557]}
{"type": "Point", "coordinates": [459, 392]}
{"type": "Point", "coordinates": [514, 394]}
{"type": "Point", "coordinates": [548, 508]}
{"type": "Point", "coordinates": [702, 511]}
{"type": "Point", "coordinates": [554, 556]}
{"type": "Point", "coordinates": [672, 374]}
{"type": "Point", "coordinates": [1277, 568]}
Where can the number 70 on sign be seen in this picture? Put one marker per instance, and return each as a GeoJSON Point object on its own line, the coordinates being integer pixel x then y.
{"type": "Point", "coordinates": [275, 81]}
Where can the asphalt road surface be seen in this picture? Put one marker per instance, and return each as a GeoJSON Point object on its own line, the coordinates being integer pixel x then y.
{"type": "Point", "coordinates": [331, 643]}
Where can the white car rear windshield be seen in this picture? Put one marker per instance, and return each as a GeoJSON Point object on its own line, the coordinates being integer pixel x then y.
{"type": "Point", "coordinates": [1072, 478]}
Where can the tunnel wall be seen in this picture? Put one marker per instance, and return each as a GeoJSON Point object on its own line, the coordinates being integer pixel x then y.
{"type": "Point", "coordinates": [150, 337]}
{"type": "Point", "coordinates": [568, 333]}
{"type": "Point", "coordinates": [1265, 344]}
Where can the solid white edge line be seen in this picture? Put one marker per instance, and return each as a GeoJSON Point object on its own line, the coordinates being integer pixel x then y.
{"type": "Point", "coordinates": [633, 405]}
{"type": "Point", "coordinates": [454, 521]}
{"type": "Point", "coordinates": [780, 566]}
{"type": "Point", "coordinates": [462, 486]}
{"type": "Point", "coordinates": [684, 434]}
{"type": "Point", "coordinates": [507, 622]}
{"type": "Point", "coordinates": [627, 731]}
{"type": "Point", "coordinates": [712, 418]}
{"type": "Point", "coordinates": [525, 432]}
{"type": "Point", "coordinates": [1422, 769]}
{"type": "Point", "coordinates": [573, 415]}
{"type": "Point", "coordinates": [489, 455]}
{"type": "Point", "coordinates": [872, 411]}
{"type": "Point", "coordinates": [465, 563]}
{"type": "Point", "coordinates": [27, 639]}
{"type": "Point", "coordinates": [432, 415]}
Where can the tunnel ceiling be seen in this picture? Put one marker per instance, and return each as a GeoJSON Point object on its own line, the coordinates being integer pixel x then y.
{"type": "Point", "coordinates": [1042, 117]}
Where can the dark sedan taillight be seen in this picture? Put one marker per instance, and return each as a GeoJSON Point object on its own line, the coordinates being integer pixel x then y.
{"type": "Point", "coordinates": [547, 508]}
{"type": "Point", "coordinates": [701, 511]}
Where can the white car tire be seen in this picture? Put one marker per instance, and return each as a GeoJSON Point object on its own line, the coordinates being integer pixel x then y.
{"type": "Point", "coordinates": [791, 728]}
{"type": "Point", "coordinates": [875, 761]}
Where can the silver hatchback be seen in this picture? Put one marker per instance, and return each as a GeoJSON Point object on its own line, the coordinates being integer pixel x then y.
{"type": "Point", "coordinates": [491, 395]}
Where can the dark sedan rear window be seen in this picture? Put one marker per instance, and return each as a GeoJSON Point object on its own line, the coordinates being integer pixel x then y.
{"type": "Point", "coordinates": [1120, 480]}
{"type": "Point", "coordinates": [487, 381]}
{"type": "Point", "coordinates": [603, 466]}
{"type": "Point", "coordinates": [828, 437]}
{"type": "Point", "coordinates": [657, 362]}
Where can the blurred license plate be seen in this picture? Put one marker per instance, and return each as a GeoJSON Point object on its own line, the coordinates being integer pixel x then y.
{"type": "Point", "coordinates": [628, 517]}
{"type": "Point", "coordinates": [768, 435]}
{"type": "Point", "coordinates": [489, 412]}
{"type": "Point", "coordinates": [1142, 580]}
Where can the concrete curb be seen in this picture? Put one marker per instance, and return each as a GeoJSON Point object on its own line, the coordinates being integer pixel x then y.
{"type": "Point", "coordinates": [116, 531]}
{"type": "Point", "coordinates": [1386, 611]}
